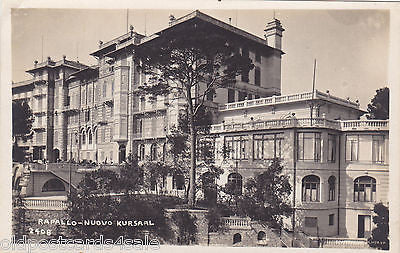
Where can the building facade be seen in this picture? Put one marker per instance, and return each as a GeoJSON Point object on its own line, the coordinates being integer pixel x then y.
{"type": "Point", "coordinates": [337, 163]}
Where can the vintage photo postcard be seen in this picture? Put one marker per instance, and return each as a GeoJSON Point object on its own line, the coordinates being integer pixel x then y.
{"type": "Point", "coordinates": [259, 126]}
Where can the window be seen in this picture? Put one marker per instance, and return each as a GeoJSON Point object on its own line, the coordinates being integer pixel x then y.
{"type": "Point", "coordinates": [352, 147]}
{"type": "Point", "coordinates": [210, 95]}
{"type": "Point", "coordinates": [235, 184]}
{"type": "Point", "coordinates": [242, 96]}
{"type": "Point", "coordinates": [142, 103]}
{"type": "Point", "coordinates": [331, 188]}
{"type": "Point", "coordinates": [237, 238]}
{"type": "Point", "coordinates": [141, 152]}
{"type": "Point", "coordinates": [331, 219]}
{"type": "Point", "coordinates": [311, 222]}
{"type": "Point", "coordinates": [310, 189]}
{"type": "Point", "coordinates": [331, 148]}
{"type": "Point", "coordinates": [261, 236]}
{"type": "Point", "coordinates": [378, 142]}
{"type": "Point", "coordinates": [178, 182]}
{"type": "Point", "coordinates": [104, 89]}
{"type": "Point", "coordinates": [364, 189]}
{"type": "Point", "coordinates": [258, 56]}
{"type": "Point", "coordinates": [90, 137]}
{"type": "Point", "coordinates": [164, 151]}
{"type": "Point", "coordinates": [257, 76]}
{"type": "Point", "coordinates": [231, 96]}
{"type": "Point", "coordinates": [53, 185]}
{"type": "Point", "coordinates": [267, 146]}
{"type": "Point", "coordinates": [237, 147]}
{"type": "Point", "coordinates": [83, 138]}
{"type": "Point", "coordinates": [309, 147]}
{"type": "Point", "coordinates": [55, 137]}
{"type": "Point", "coordinates": [153, 152]}
{"type": "Point", "coordinates": [245, 75]}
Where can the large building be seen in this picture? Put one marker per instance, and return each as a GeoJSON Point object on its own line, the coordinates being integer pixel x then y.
{"type": "Point", "coordinates": [337, 163]}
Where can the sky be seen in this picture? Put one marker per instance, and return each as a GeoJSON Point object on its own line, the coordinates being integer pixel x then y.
{"type": "Point", "coordinates": [350, 46]}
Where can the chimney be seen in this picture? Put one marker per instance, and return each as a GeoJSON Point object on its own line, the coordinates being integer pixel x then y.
{"type": "Point", "coordinates": [273, 34]}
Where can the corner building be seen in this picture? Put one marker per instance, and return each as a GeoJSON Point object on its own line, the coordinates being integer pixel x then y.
{"type": "Point", "coordinates": [337, 163]}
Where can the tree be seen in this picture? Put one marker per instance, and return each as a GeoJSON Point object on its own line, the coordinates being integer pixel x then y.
{"type": "Point", "coordinates": [110, 196]}
{"type": "Point", "coordinates": [379, 238]}
{"type": "Point", "coordinates": [190, 61]}
{"type": "Point", "coordinates": [379, 106]}
{"type": "Point", "coordinates": [22, 120]}
{"type": "Point", "coordinates": [186, 225]}
{"type": "Point", "coordinates": [266, 196]}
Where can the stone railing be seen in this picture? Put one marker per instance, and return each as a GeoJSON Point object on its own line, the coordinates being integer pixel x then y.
{"type": "Point", "coordinates": [364, 125]}
{"type": "Point", "coordinates": [275, 123]}
{"type": "Point", "coordinates": [237, 222]}
{"type": "Point", "coordinates": [45, 204]}
{"type": "Point", "coordinates": [345, 125]}
{"type": "Point", "coordinates": [285, 99]}
{"type": "Point", "coordinates": [350, 243]}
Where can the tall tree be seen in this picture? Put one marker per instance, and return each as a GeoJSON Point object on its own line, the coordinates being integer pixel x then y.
{"type": "Point", "coordinates": [379, 106]}
{"type": "Point", "coordinates": [191, 62]}
{"type": "Point", "coordinates": [380, 233]}
{"type": "Point", "coordinates": [22, 119]}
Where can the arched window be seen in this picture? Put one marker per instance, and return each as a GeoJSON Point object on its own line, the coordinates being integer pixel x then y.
{"type": "Point", "coordinates": [178, 182]}
{"type": "Point", "coordinates": [331, 188]}
{"type": "Point", "coordinates": [237, 238]}
{"type": "Point", "coordinates": [235, 184]}
{"type": "Point", "coordinates": [261, 236]}
{"type": "Point", "coordinates": [153, 152]}
{"type": "Point", "coordinates": [53, 185]}
{"type": "Point", "coordinates": [141, 152]}
{"type": "Point", "coordinates": [364, 189]}
{"type": "Point", "coordinates": [90, 137]}
{"type": "Point", "coordinates": [310, 189]}
{"type": "Point", "coordinates": [83, 138]}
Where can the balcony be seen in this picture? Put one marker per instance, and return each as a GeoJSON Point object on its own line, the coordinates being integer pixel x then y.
{"type": "Point", "coordinates": [233, 222]}
{"type": "Point", "coordinates": [286, 99]}
{"type": "Point", "coordinates": [351, 125]}
{"type": "Point", "coordinates": [71, 108]}
{"type": "Point", "coordinates": [46, 203]}
{"type": "Point", "coordinates": [38, 126]}
{"type": "Point", "coordinates": [344, 125]}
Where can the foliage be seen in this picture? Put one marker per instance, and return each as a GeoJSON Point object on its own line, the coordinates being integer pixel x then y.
{"type": "Point", "coordinates": [186, 225]}
{"type": "Point", "coordinates": [190, 68]}
{"type": "Point", "coordinates": [380, 234]}
{"type": "Point", "coordinates": [379, 106]}
{"type": "Point", "coordinates": [266, 196]}
{"type": "Point", "coordinates": [20, 222]}
{"type": "Point", "coordinates": [105, 195]}
{"type": "Point", "coordinates": [22, 119]}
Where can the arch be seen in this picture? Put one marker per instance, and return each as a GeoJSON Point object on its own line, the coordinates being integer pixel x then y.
{"type": "Point", "coordinates": [56, 153]}
{"type": "Point", "coordinates": [235, 183]}
{"type": "Point", "coordinates": [311, 188]}
{"type": "Point", "coordinates": [53, 185]}
{"type": "Point", "coordinates": [153, 152]}
{"type": "Point", "coordinates": [237, 238]}
{"type": "Point", "coordinates": [364, 189]}
{"type": "Point", "coordinates": [331, 188]}
{"type": "Point", "coordinates": [261, 236]}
